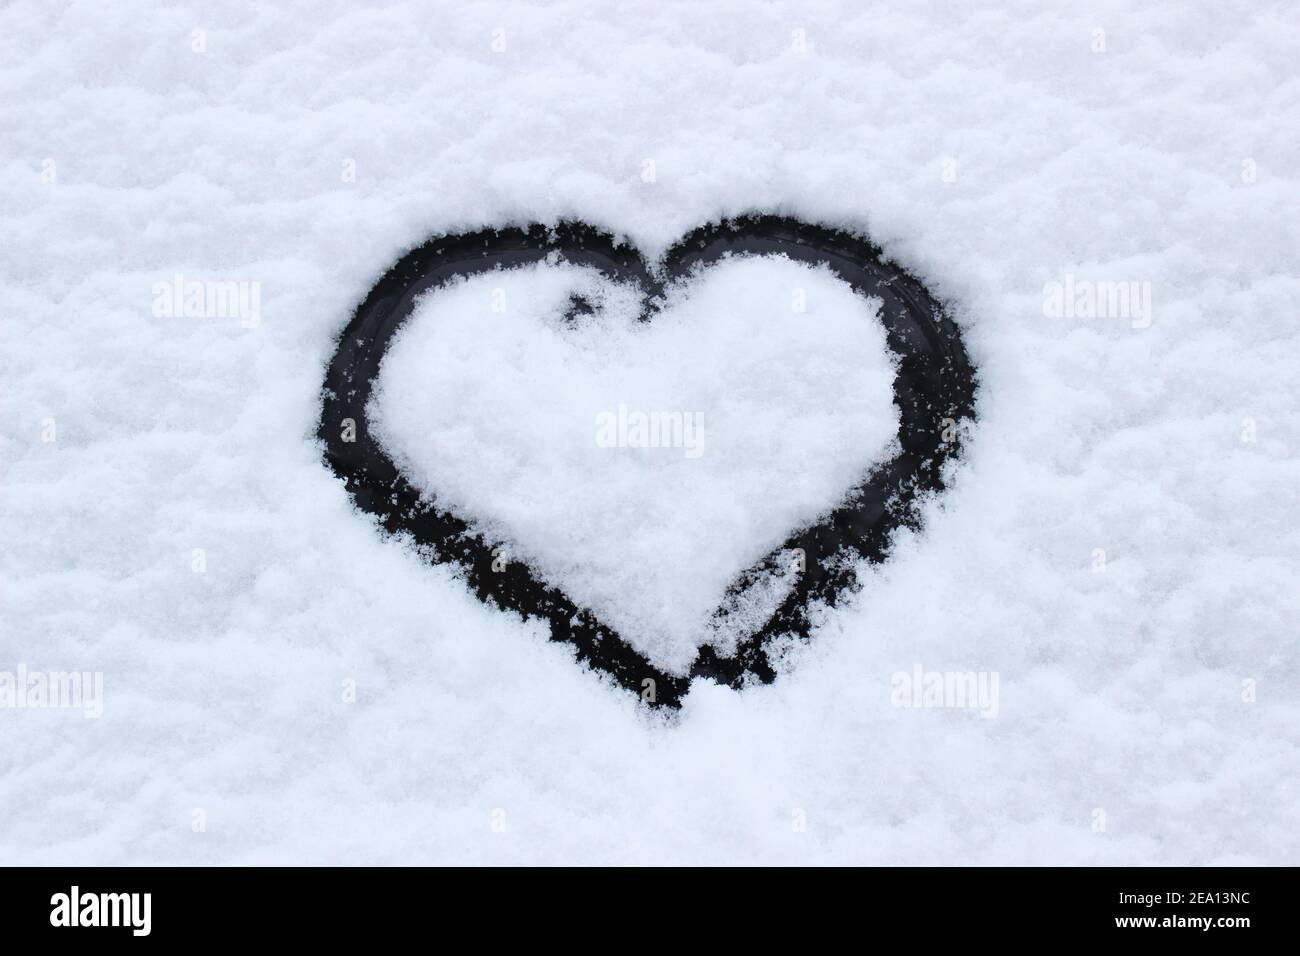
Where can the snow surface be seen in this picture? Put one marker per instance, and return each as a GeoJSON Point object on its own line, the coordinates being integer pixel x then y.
{"type": "Point", "coordinates": [1120, 545]}
{"type": "Point", "coordinates": [641, 466]}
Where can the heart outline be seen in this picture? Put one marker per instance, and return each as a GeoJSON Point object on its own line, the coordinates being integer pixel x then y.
{"type": "Point", "coordinates": [934, 383]}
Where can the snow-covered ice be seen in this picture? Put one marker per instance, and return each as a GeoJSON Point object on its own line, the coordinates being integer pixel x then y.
{"type": "Point", "coordinates": [283, 683]}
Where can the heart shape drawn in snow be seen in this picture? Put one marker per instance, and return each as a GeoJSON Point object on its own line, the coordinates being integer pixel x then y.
{"type": "Point", "coordinates": [411, 461]}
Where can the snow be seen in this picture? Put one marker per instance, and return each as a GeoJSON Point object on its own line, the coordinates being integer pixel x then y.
{"type": "Point", "coordinates": [282, 683]}
{"type": "Point", "coordinates": [641, 466]}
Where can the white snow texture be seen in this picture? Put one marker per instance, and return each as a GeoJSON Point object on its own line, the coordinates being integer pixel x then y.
{"type": "Point", "coordinates": [642, 466]}
{"type": "Point", "coordinates": [284, 684]}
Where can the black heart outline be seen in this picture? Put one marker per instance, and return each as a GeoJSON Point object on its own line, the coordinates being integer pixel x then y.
{"type": "Point", "coordinates": [934, 389]}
